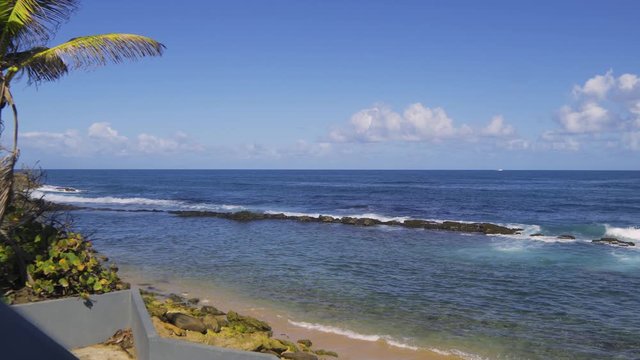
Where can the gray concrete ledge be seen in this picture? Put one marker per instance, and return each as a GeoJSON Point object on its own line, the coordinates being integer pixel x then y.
{"type": "Point", "coordinates": [73, 322]}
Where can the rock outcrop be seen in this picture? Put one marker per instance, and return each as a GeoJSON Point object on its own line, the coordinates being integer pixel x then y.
{"type": "Point", "coordinates": [483, 228]}
{"type": "Point", "coordinates": [613, 241]}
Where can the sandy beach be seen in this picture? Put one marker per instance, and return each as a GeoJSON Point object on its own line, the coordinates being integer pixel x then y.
{"type": "Point", "coordinates": [346, 345]}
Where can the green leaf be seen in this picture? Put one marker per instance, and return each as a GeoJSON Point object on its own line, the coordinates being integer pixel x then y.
{"type": "Point", "coordinates": [97, 286]}
{"type": "Point", "coordinates": [63, 282]}
{"type": "Point", "coordinates": [73, 259]}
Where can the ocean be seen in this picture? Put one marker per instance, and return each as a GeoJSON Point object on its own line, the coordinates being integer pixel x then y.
{"type": "Point", "coordinates": [475, 295]}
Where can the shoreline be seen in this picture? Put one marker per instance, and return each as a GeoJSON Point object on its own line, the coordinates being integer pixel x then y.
{"type": "Point", "coordinates": [348, 345]}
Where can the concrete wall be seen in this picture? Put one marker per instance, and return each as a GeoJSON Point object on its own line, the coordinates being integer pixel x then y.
{"type": "Point", "coordinates": [74, 324]}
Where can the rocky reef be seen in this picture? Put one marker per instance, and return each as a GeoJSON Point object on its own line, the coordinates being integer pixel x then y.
{"type": "Point", "coordinates": [179, 318]}
{"type": "Point", "coordinates": [613, 241]}
{"type": "Point", "coordinates": [484, 228]}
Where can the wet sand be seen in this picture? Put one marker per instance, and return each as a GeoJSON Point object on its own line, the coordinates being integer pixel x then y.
{"type": "Point", "coordinates": [347, 348]}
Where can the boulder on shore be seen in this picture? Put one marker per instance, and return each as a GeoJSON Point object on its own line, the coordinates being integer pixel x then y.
{"type": "Point", "coordinates": [186, 322]}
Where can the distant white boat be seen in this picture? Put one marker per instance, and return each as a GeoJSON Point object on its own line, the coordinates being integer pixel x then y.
{"type": "Point", "coordinates": [500, 170]}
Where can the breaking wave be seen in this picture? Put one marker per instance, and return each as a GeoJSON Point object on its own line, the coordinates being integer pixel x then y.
{"type": "Point", "coordinates": [385, 338]}
{"type": "Point", "coordinates": [58, 189]}
{"type": "Point", "coordinates": [629, 233]}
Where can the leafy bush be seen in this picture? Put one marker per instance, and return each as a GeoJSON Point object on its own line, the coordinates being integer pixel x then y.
{"type": "Point", "coordinates": [41, 258]}
{"type": "Point", "coordinates": [70, 267]}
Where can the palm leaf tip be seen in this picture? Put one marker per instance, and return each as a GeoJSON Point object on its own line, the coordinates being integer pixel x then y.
{"type": "Point", "coordinates": [98, 50]}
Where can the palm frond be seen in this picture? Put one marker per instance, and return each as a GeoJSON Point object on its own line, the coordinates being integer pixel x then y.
{"type": "Point", "coordinates": [87, 52]}
{"type": "Point", "coordinates": [32, 22]}
{"type": "Point", "coordinates": [37, 69]}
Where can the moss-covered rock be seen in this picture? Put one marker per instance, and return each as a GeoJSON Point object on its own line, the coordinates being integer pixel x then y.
{"type": "Point", "coordinates": [323, 352]}
{"type": "Point", "coordinates": [247, 323]}
{"type": "Point", "coordinates": [305, 342]}
{"type": "Point", "coordinates": [179, 320]}
{"type": "Point", "coordinates": [211, 310]}
{"type": "Point", "coordinates": [211, 323]}
{"type": "Point", "coordinates": [186, 322]}
{"type": "Point", "coordinates": [291, 346]}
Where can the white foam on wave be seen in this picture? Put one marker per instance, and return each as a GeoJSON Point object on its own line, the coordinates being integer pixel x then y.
{"type": "Point", "coordinates": [380, 217]}
{"type": "Point", "coordinates": [629, 233]}
{"type": "Point", "coordinates": [357, 216]}
{"type": "Point", "coordinates": [627, 258]}
{"type": "Point", "coordinates": [57, 198]}
{"type": "Point", "coordinates": [528, 230]}
{"type": "Point", "coordinates": [58, 189]}
{"type": "Point", "coordinates": [353, 335]}
{"type": "Point", "coordinates": [293, 213]}
{"type": "Point", "coordinates": [336, 330]}
{"type": "Point", "coordinates": [373, 338]}
{"type": "Point", "coordinates": [456, 352]}
{"type": "Point", "coordinates": [111, 200]}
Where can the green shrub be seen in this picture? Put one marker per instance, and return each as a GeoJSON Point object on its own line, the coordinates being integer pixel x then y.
{"type": "Point", "coordinates": [71, 268]}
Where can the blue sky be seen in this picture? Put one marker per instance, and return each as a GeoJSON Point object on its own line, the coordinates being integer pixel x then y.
{"type": "Point", "coordinates": [348, 85]}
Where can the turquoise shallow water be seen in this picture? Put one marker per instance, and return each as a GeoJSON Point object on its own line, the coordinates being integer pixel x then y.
{"type": "Point", "coordinates": [496, 297]}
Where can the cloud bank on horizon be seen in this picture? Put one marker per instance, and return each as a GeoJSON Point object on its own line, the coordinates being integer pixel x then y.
{"type": "Point", "coordinates": [604, 115]}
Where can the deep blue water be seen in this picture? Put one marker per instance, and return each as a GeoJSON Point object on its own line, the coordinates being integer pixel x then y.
{"type": "Point", "coordinates": [499, 297]}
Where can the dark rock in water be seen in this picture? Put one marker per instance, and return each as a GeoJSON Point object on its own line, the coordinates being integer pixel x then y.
{"type": "Point", "coordinates": [298, 355]}
{"type": "Point", "coordinates": [245, 216]}
{"type": "Point", "coordinates": [497, 229]}
{"type": "Point", "coordinates": [613, 241]}
{"type": "Point", "coordinates": [279, 216]}
{"type": "Point", "coordinates": [326, 219]}
{"type": "Point", "coordinates": [186, 322]}
{"type": "Point", "coordinates": [415, 223]}
{"type": "Point", "coordinates": [536, 234]}
{"type": "Point", "coordinates": [485, 228]}
{"type": "Point", "coordinates": [349, 220]}
{"type": "Point", "coordinates": [566, 237]}
{"type": "Point", "coordinates": [367, 222]}
{"type": "Point", "coordinates": [211, 310]}
{"type": "Point", "coordinates": [305, 342]}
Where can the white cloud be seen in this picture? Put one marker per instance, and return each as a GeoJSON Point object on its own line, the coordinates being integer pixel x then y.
{"type": "Point", "coordinates": [101, 139]}
{"type": "Point", "coordinates": [598, 86]}
{"type": "Point", "coordinates": [103, 130]}
{"type": "Point", "coordinates": [590, 117]}
{"type": "Point", "coordinates": [604, 103]}
{"type": "Point", "coordinates": [416, 123]}
{"type": "Point", "coordinates": [497, 127]}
